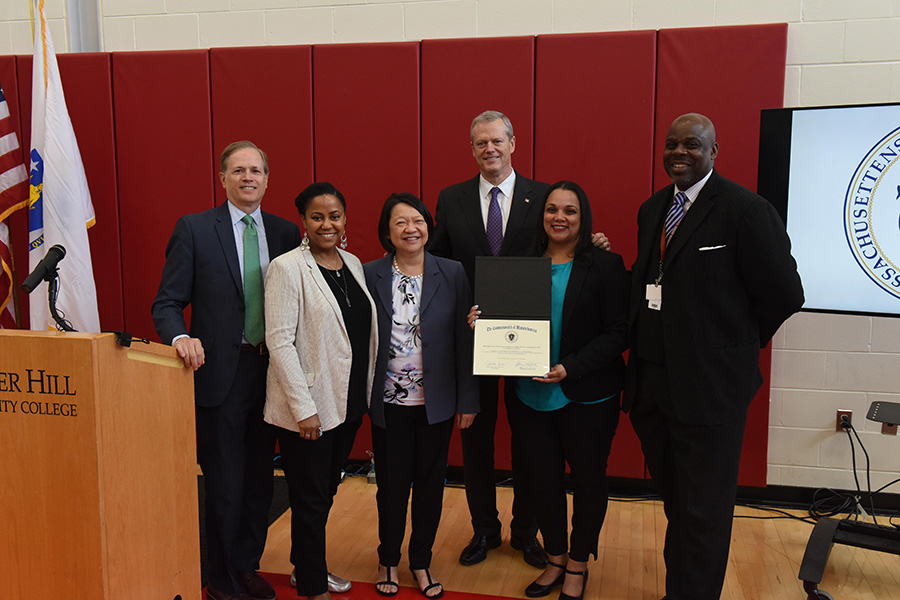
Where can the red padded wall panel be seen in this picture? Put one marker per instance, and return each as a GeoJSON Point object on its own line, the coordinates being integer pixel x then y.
{"type": "Point", "coordinates": [164, 150]}
{"type": "Point", "coordinates": [18, 221]}
{"type": "Point", "coordinates": [594, 126]}
{"type": "Point", "coordinates": [460, 79]}
{"type": "Point", "coordinates": [366, 99]}
{"type": "Point", "coordinates": [87, 84]}
{"type": "Point", "coordinates": [728, 74]}
{"type": "Point", "coordinates": [273, 110]}
{"type": "Point", "coordinates": [594, 123]}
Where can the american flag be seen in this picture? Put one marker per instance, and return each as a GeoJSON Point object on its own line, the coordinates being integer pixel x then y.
{"type": "Point", "coordinates": [13, 196]}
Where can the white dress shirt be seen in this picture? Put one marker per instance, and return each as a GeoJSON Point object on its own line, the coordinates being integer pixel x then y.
{"type": "Point", "coordinates": [692, 192]}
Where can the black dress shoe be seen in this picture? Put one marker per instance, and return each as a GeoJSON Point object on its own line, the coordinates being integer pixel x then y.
{"type": "Point", "coordinates": [538, 590]}
{"type": "Point", "coordinates": [214, 594]}
{"type": "Point", "coordinates": [478, 548]}
{"type": "Point", "coordinates": [532, 551]}
{"type": "Point", "coordinates": [255, 586]}
{"type": "Point", "coordinates": [563, 596]}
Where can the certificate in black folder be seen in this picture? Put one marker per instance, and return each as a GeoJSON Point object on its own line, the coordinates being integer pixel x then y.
{"type": "Point", "coordinates": [512, 335]}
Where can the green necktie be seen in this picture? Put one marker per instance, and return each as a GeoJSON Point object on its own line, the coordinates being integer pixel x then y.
{"type": "Point", "coordinates": [254, 321]}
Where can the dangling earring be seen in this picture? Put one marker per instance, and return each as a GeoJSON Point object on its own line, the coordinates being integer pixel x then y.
{"type": "Point", "coordinates": [344, 241]}
{"type": "Point", "coordinates": [305, 240]}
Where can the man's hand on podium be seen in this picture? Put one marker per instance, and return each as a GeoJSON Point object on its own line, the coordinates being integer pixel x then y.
{"type": "Point", "coordinates": [191, 352]}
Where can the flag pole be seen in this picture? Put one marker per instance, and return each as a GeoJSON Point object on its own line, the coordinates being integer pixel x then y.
{"type": "Point", "coordinates": [17, 304]}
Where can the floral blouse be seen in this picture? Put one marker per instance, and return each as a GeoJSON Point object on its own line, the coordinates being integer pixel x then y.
{"type": "Point", "coordinates": [403, 384]}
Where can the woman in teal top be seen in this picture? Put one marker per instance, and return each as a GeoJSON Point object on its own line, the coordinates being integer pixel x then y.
{"type": "Point", "coordinates": [570, 415]}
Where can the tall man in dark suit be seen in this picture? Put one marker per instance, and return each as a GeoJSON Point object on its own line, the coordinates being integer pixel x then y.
{"type": "Point", "coordinates": [494, 213]}
{"type": "Point", "coordinates": [712, 282]}
{"type": "Point", "coordinates": [216, 262]}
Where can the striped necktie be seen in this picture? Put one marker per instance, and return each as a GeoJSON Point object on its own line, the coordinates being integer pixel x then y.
{"type": "Point", "coordinates": [675, 214]}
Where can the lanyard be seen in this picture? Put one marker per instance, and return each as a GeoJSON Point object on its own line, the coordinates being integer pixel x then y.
{"type": "Point", "coordinates": [662, 252]}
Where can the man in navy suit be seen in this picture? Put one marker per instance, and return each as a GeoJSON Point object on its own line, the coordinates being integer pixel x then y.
{"type": "Point", "coordinates": [713, 280]}
{"type": "Point", "coordinates": [212, 261]}
{"type": "Point", "coordinates": [463, 217]}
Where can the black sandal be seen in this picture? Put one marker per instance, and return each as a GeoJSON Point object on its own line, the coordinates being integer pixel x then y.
{"type": "Point", "coordinates": [539, 590]}
{"type": "Point", "coordinates": [563, 596]}
{"type": "Point", "coordinates": [431, 584]}
{"type": "Point", "coordinates": [388, 581]}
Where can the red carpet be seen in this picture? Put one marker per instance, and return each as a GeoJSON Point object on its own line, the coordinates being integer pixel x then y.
{"type": "Point", "coordinates": [359, 591]}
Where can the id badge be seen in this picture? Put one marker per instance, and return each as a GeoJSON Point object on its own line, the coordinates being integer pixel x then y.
{"type": "Point", "coordinates": [654, 296]}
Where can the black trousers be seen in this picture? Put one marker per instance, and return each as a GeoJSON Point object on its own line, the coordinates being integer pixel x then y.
{"type": "Point", "coordinates": [313, 471]}
{"type": "Point", "coordinates": [235, 448]}
{"type": "Point", "coordinates": [695, 469]}
{"type": "Point", "coordinates": [409, 452]}
{"type": "Point", "coordinates": [478, 471]}
{"type": "Point", "coordinates": [578, 434]}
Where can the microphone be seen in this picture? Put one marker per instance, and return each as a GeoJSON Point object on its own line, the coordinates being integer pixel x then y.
{"type": "Point", "coordinates": [45, 267]}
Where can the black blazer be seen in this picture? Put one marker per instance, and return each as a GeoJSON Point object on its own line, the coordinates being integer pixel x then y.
{"type": "Point", "coordinates": [447, 341]}
{"type": "Point", "coordinates": [730, 281]}
{"type": "Point", "coordinates": [459, 230]}
{"type": "Point", "coordinates": [594, 327]}
{"type": "Point", "coordinates": [202, 270]}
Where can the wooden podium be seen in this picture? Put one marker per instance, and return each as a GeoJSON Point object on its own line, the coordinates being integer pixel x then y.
{"type": "Point", "coordinates": [98, 475]}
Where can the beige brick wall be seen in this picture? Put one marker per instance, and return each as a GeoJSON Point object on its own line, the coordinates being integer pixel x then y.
{"type": "Point", "coordinates": [839, 52]}
{"type": "Point", "coordinates": [823, 363]}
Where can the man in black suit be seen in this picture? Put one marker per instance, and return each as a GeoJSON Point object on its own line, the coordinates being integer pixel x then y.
{"type": "Point", "coordinates": [216, 262]}
{"type": "Point", "coordinates": [501, 200]}
{"type": "Point", "coordinates": [712, 282]}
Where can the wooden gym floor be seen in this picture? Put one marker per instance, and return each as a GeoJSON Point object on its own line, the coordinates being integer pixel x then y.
{"type": "Point", "coordinates": [764, 561]}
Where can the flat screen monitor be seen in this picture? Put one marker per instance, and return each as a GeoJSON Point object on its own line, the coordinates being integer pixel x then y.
{"type": "Point", "coordinates": [830, 173]}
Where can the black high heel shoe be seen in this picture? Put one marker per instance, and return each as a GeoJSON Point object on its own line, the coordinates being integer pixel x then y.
{"type": "Point", "coordinates": [431, 584]}
{"type": "Point", "coordinates": [564, 596]}
{"type": "Point", "coordinates": [388, 581]}
{"type": "Point", "coordinates": [539, 590]}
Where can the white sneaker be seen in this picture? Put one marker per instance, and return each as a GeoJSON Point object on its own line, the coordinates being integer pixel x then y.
{"type": "Point", "coordinates": [336, 583]}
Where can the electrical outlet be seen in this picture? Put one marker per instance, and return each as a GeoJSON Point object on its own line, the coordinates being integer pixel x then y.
{"type": "Point", "coordinates": [841, 413]}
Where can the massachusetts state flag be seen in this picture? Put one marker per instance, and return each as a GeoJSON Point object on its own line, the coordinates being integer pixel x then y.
{"type": "Point", "coordinates": [59, 207]}
{"type": "Point", "coordinates": [13, 196]}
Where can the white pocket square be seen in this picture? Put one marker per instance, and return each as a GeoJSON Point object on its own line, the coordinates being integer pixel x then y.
{"type": "Point", "coordinates": [704, 248]}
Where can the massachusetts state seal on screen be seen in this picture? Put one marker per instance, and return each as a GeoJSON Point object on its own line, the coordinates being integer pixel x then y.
{"type": "Point", "coordinates": [872, 214]}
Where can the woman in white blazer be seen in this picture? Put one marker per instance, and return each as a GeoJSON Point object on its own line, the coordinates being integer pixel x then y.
{"type": "Point", "coordinates": [321, 331]}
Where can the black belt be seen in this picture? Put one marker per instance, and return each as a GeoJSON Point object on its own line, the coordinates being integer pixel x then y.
{"type": "Point", "coordinates": [251, 349]}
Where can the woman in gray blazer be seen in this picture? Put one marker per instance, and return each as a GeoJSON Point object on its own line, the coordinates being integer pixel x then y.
{"type": "Point", "coordinates": [321, 332]}
{"type": "Point", "coordinates": [423, 383]}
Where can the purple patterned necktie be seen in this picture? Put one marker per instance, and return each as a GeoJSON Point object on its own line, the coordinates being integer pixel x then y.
{"type": "Point", "coordinates": [673, 217]}
{"type": "Point", "coordinates": [494, 223]}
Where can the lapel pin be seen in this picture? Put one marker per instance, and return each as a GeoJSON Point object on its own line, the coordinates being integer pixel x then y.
{"type": "Point", "coordinates": [527, 200]}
